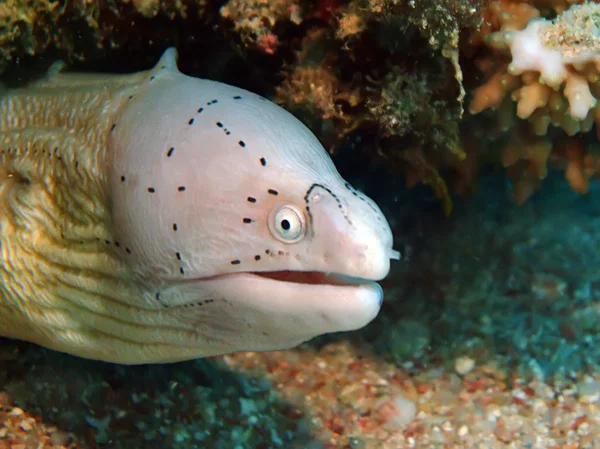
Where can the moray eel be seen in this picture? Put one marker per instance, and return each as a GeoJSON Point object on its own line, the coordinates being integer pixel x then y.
{"type": "Point", "coordinates": [155, 217]}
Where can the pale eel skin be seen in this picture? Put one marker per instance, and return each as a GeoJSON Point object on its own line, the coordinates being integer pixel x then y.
{"type": "Point", "coordinates": [155, 217]}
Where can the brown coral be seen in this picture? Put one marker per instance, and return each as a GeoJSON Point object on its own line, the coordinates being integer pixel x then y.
{"type": "Point", "coordinates": [379, 76]}
{"type": "Point", "coordinates": [389, 69]}
{"type": "Point", "coordinates": [29, 27]}
{"type": "Point", "coordinates": [255, 20]}
{"type": "Point", "coordinates": [83, 30]}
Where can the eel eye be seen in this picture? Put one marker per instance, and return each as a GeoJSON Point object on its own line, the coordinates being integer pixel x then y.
{"type": "Point", "coordinates": [287, 223]}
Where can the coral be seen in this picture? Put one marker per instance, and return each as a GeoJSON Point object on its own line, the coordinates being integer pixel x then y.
{"type": "Point", "coordinates": [500, 16]}
{"type": "Point", "coordinates": [551, 62]}
{"type": "Point", "coordinates": [29, 27]}
{"type": "Point", "coordinates": [580, 162]}
{"type": "Point", "coordinates": [151, 8]}
{"type": "Point", "coordinates": [381, 76]}
{"type": "Point", "coordinates": [82, 30]}
{"type": "Point", "coordinates": [548, 73]}
{"type": "Point", "coordinates": [384, 78]}
{"type": "Point", "coordinates": [403, 99]}
{"type": "Point", "coordinates": [526, 157]}
{"type": "Point", "coordinates": [255, 20]}
{"type": "Point", "coordinates": [440, 22]}
{"type": "Point", "coordinates": [313, 90]}
{"type": "Point", "coordinates": [408, 104]}
{"type": "Point", "coordinates": [387, 69]}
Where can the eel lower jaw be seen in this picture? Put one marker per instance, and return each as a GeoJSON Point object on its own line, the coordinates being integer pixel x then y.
{"type": "Point", "coordinates": [292, 306]}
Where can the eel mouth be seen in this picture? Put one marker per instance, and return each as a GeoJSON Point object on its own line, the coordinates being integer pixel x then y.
{"type": "Point", "coordinates": [311, 278]}
{"type": "Point", "coordinates": [307, 278]}
{"type": "Point", "coordinates": [298, 303]}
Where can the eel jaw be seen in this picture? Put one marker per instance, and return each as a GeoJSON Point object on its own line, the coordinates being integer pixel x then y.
{"type": "Point", "coordinates": [265, 311]}
{"type": "Point", "coordinates": [311, 277]}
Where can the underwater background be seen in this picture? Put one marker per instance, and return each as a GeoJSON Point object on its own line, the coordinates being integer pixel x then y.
{"type": "Point", "coordinates": [483, 161]}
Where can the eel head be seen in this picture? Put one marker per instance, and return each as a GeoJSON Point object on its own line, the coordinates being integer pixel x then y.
{"type": "Point", "coordinates": [238, 218]}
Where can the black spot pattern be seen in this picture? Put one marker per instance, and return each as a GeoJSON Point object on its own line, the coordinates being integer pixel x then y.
{"type": "Point", "coordinates": [180, 259]}
{"type": "Point", "coordinates": [107, 242]}
{"type": "Point", "coordinates": [170, 152]}
{"type": "Point", "coordinates": [225, 130]}
{"type": "Point", "coordinates": [157, 296]}
{"type": "Point", "coordinates": [362, 198]}
{"type": "Point", "coordinates": [199, 303]}
{"type": "Point", "coordinates": [81, 242]}
{"type": "Point", "coordinates": [340, 206]}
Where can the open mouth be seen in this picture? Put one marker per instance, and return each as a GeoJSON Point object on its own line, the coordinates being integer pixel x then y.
{"type": "Point", "coordinates": [292, 277]}
{"type": "Point", "coordinates": [311, 277]}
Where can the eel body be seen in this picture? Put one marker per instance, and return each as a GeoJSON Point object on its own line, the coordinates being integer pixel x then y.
{"type": "Point", "coordinates": [156, 217]}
